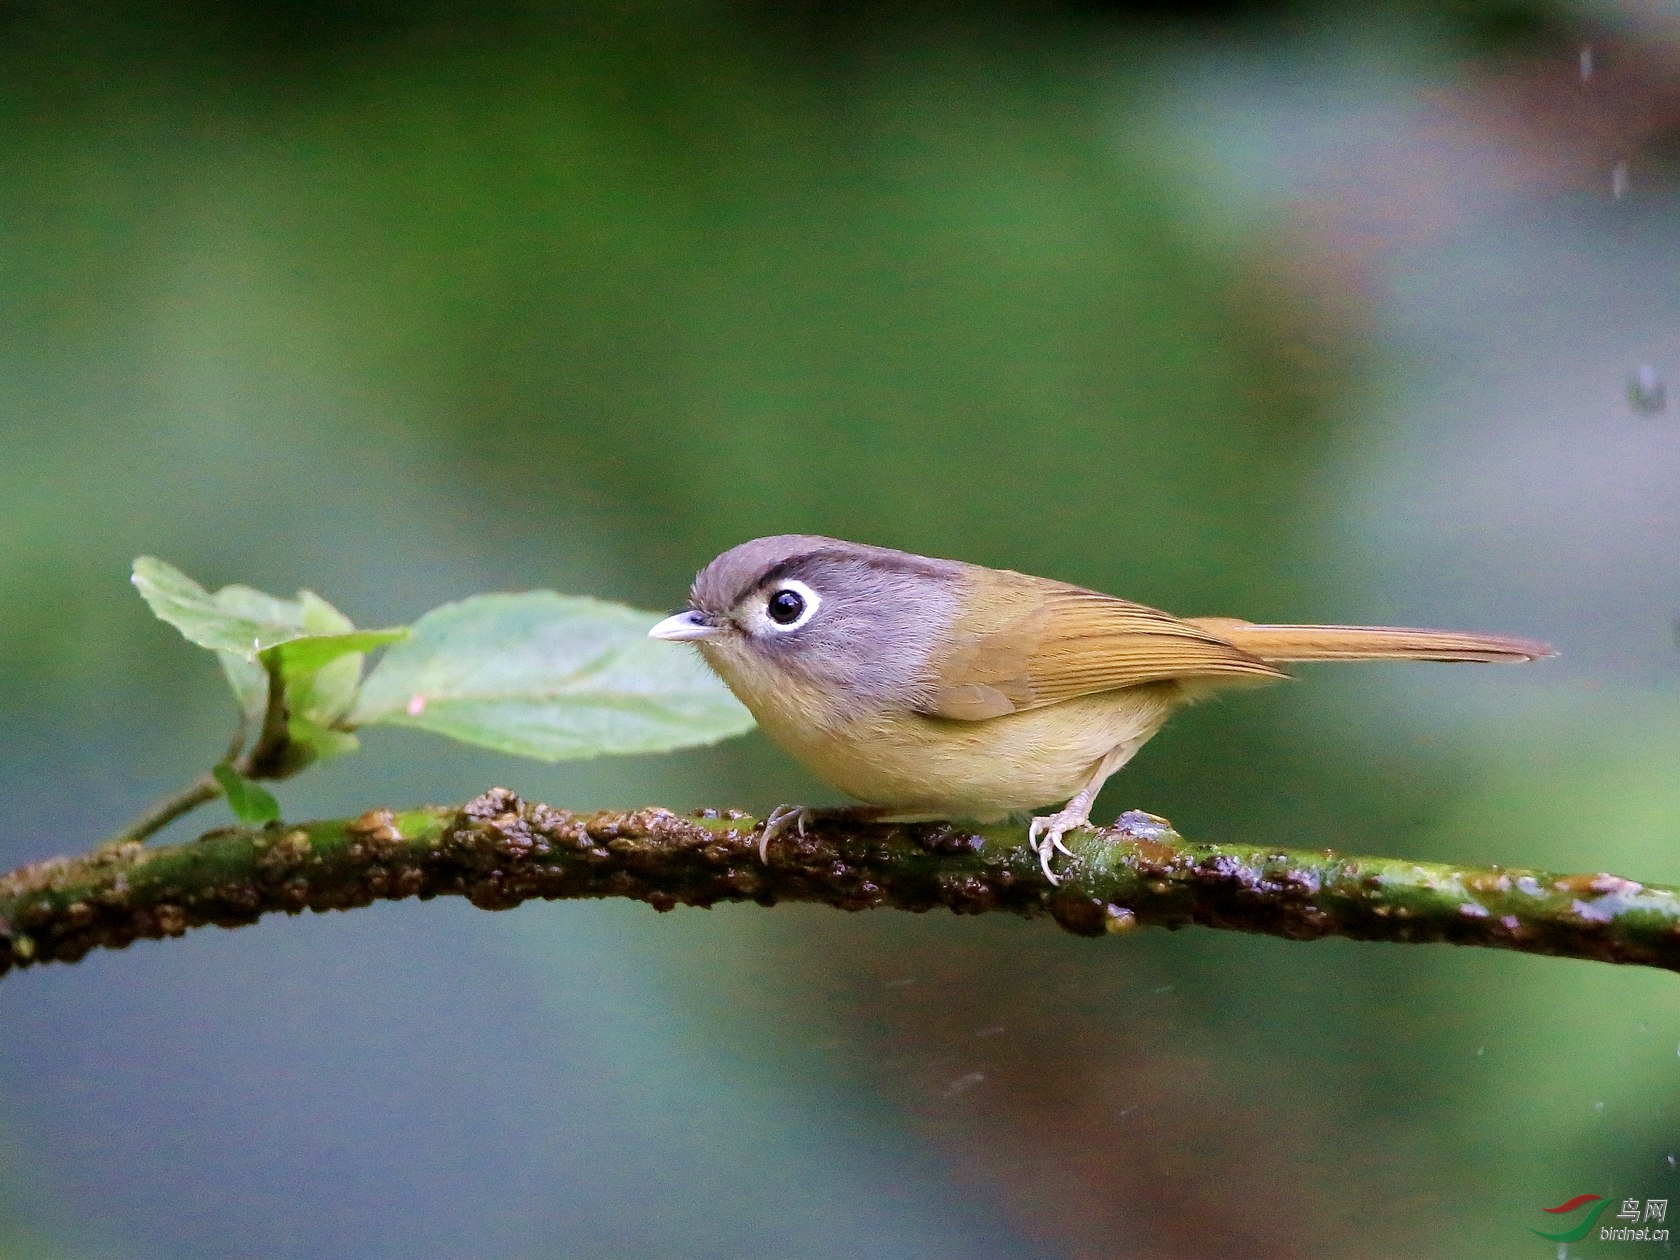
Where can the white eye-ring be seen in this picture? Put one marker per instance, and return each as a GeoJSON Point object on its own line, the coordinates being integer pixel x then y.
{"type": "Point", "coordinates": [791, 605]}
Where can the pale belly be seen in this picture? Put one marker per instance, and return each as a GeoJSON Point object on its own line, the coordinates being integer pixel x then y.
{"type": "Point", "coordinates": [938, 767]}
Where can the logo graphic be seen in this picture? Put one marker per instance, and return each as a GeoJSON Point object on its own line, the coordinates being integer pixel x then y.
{"type": "Point", "coordinates": [1580, 1231]}
{"type": "Point", "coordinates": [1639, 1216]}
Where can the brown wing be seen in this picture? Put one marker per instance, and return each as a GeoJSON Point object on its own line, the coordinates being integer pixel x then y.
{"type": "Point", "coordinates": [1025, 642]}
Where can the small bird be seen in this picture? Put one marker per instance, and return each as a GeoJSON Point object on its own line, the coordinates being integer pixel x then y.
{"type": "Point", "coordinates": [937, 689]}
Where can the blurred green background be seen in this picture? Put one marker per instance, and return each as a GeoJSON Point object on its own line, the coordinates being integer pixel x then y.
{"type": "Point", "coordinates": [1258, 309]}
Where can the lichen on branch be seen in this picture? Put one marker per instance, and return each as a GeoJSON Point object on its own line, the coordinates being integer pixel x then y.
{"type": "Point", "coordinates": [499, 851]}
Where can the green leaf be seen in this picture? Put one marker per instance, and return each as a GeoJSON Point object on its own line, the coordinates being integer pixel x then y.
{"type": "Point", "coordinates": [303, 656]}
{"type": "Point", "coordinates": [235, 619]}
{"type": "Point", "coordinates": [252, 804]}
{"type": "Point", "coordinates": [249, 681]}
{"type": "Point", "coordinates": [549, 676]}
{"type": "Point", "coordinates": [317, 648]}
{"type": "Point", "coordinates": [322, 672]}
{"type": "Point", "coordinates": [318, 743]}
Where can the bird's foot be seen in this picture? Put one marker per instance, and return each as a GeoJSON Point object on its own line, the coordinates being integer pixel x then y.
{"type": "Point", "coordinates": [799, 817]}
{"type": "Point", "coordinates": [1045, 835]}
{"type": "Point", "coordinates": [776, 825]}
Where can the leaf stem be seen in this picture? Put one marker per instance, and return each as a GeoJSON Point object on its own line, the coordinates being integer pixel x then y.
{"type": "Point", "coordinates": [199, 792]}
{"type": "Point", "coordinates": [267, 757]}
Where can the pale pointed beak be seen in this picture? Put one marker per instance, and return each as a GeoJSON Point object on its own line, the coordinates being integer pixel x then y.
{"type": "Point", "coordinates": [686, 627]}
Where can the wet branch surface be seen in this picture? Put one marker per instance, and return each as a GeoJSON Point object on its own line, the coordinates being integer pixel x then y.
{"type": "Point", "coordinates": [499, 851]}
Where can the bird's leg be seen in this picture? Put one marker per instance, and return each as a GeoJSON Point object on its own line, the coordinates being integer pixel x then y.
{"type": "Point", "coordinates": [797, 816]}
{"type": "Point", "coordinates": [1045, 833]}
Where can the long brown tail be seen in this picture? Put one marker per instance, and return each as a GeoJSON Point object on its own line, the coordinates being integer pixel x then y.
{"type": "Point", "coordinates": [1370, 643]}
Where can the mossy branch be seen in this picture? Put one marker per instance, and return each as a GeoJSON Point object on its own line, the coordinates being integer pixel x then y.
{"type": "Point", "coordinates": [499, 851]}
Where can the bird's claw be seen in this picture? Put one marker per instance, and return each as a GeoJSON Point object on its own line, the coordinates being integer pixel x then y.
{"type": "Point", "coordinates": [780, 819]}
{"type": "Point", "coordinates": [1045, 835]}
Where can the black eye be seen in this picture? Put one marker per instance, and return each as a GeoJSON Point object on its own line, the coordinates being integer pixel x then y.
{"type": "Point", "coordinates": [785, 607]}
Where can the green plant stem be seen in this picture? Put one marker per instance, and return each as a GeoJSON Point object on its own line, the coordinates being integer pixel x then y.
{"type": "Point", "coordinates": [499, 851]}
{"type": "Point", "coordinates": [265, 760]}
{"type": "Point", "coordinates": [199, 792]}
{"type": "Point", "coordinates": [267, 756]}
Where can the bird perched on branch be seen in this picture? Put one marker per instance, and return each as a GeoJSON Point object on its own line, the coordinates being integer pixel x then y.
{"type": "Point", "coordinates": [937, 689]}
